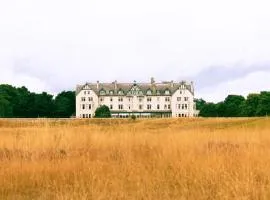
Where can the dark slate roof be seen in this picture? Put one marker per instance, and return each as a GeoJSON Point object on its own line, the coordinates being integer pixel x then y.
{"type": "Point", "coordinates": [114, 87]}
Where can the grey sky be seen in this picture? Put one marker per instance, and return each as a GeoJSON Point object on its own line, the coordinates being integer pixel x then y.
{"type": "Point", "coordinates": [52, 45]}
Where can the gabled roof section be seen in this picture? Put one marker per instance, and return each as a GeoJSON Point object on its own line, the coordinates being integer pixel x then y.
{"type": "Point", "coordinates": [82, 87]}
{"type": "Point", "coordinates": [135, 90]}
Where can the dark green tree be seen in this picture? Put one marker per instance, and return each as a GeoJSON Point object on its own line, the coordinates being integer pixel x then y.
{"type": "Point", "coordinates": [9, 97]}
{"type": "Point", "coordinates": [103, 112]}
{"type": "Point", "coordinates": [42, 105]}
{"type": "Point", "coordinates": [232, 106]}
{"type": "Point", "coordinates": [250, 106]}
{"type": "Point", "coordinates": [200, 103]}
{"type": "Point", "coordinates": [65, 104]}
{"type": "Point", "coordinates": [208, 110]}
{"type": "Point", "coordinates": [21, 107]}
{"type": "Point", "coordinates": [5, 108]}
{"type": "Point", "coordinates": [263, 108]}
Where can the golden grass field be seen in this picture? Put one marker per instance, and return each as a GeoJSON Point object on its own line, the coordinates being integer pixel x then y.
{"type": "Point", "coordinates": [144, 159]}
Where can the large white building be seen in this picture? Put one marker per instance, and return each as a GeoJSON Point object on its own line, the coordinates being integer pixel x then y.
{"type": "Point", "coordinates": [165, 99]}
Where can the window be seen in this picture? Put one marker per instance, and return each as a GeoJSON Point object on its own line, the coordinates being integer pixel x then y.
{"type": "Point", "coordinates": [120, 99]}
{"type": "Point", "coordinates": [84, 92]}
{"type": "Point", "coordinates": [181, 92]}
{"type": "Point", "coordinates": [90, 106]}
{"type": "Point", "coordinates": [111, 99]}
{"type": "Point", "coordinates": [140, 99]}
{"type": "Point", "coordinates": [86, 115]}
{"type": "Point", "coordinates": [129, 99]}
{"type": "Point", "coordinates": [111, 92]}
{"type": "Point", "coordinates": [167, 99]}
{"type": "Point", "coordinates": [186, 106]}
{"type": "Point", "coordinates": [158, 92]}
{"type": "Point", "coordinates": [183, 106]}
{"type": "Point", "coordinates": [165, 107]}
{"type": "Point", "coordinates": [148, 106]}
{"type": "Point", "coordinates": [179, 106]}
{"type": "Point", "coordinates": [111, 107]}
{"type": "Point", "coordinates": [90, 98]}
{"type": "Point", "coordinates": [169, 106]}
{"type": "Point", "coordinates": [129, 107]}
{"type": "Point", "coordinates": [178, 98]}
{"type": "Point", "coordinates": [83, 98]}
{"type": "Point", "coordinates": [83, 115]}
{"type": "Point", "coordinates": [149, 99]}
{"type": "Point", "coordinates": [101, 99]}
{"type": "Point", "coordinates": [120, 107]}
{"type": "Point", "coordinates": [83, 106]}
{"type": "Point", "coordinates": [186, 98]}
{"type": "Point", "coordinates": [88, 92]}
{"type": "Point", "coordinates": [149, 92]}
{"type": "Point", "coordinates": [158, 106]}
{"type": "Point", "coordinates": [140, 107]}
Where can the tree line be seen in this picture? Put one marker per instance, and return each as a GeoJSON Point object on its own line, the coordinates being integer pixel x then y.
{"type": "Point", "coordinates": [20, 102]}
{"type": "Point", "coordinates": [255, 105]}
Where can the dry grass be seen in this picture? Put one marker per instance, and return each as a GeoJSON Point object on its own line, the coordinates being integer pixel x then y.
{"type": "Point", "coordinates": [142, 159]}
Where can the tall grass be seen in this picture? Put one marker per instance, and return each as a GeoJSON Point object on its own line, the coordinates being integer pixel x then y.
{"type": "Point", "coordinates": [142, 159]}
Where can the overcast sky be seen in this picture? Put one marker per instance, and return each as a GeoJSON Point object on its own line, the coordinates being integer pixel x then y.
{"type": "Point", "coordinates": [52, 45]}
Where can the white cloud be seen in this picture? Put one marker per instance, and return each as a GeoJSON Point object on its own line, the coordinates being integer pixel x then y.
{"type": "Point", "coordinates": [55, 44]}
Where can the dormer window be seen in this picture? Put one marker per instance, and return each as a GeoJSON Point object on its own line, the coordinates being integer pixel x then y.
{"type": "Point", "coordinates": [111, 92]}
{"type": "Point", "coordinates": [149, 92]}
{"type": "Point", "coordinates": [102, 92]}
{"type": "Point", "coordinates": [158, 92]}
{"type": "Point", "coordinates": [120, 92]}
{"type": "Point", "coordinates": [167, 92]}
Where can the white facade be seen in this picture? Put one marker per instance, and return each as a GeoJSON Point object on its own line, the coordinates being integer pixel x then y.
{"type": "Point", "coordinates": [166, 99]}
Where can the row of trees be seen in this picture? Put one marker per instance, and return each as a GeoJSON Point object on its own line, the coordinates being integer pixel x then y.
{"type": "Point", "coordinates": [237, 106]}
{"type": "Point", "coordinates": [20, 102]}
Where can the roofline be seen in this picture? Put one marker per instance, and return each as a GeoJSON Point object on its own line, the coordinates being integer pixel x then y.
{"type": "Point", "coordinates": [79, 88]}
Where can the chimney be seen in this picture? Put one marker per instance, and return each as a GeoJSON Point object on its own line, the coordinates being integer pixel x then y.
{"type": "Point", "coordinates": [152, 80]}
{"type": "Point", "coordinates": [171, 83]}
{"type": "Point", "coordinates": [97, 85]}
{"type": "Point", "coordinates": [115, 85]}
{"type": "Point", "coordinates": [192, 86]}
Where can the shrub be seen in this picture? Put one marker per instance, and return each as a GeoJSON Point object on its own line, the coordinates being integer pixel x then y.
{"type": "Point", "coordinates": [103, 112]}
{"type": "Point", "coordinates": [133, 117]}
